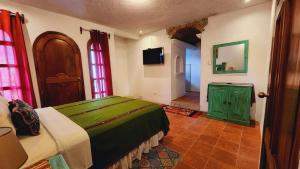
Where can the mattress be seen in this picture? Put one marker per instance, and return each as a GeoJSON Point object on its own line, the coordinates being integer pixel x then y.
{"type": "Point", "coordinates": [38, 147]}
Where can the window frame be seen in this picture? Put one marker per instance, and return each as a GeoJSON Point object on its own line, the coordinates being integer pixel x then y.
{"type": "Point", "coordinates": [101, 85]}
{"type": "Point", "coordinates": [18, 88]}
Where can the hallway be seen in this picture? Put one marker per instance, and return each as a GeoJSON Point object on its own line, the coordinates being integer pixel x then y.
{"type": "Point", "coordinates": [191, 100]}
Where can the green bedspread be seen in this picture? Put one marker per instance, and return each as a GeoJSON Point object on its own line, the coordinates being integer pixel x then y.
{"type": "Point", "coordinates": [116, 125]}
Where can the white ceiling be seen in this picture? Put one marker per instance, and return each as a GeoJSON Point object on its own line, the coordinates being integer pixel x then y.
{"type": "Point", "coordinates": [134, 15]}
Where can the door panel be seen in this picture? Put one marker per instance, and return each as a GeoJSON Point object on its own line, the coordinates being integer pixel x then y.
{"type": "Point", "coordinates": [239, 103]}
{"type": "Point", "coordinates": [59, 69]}
{"type": "Point", "coordinates": [218, 96]}
{"type": "Point", "coordinates": [290, 99]}
{"type": "Point", "coordinates": [280, 149]}
{"type": "Point", "coordinates": [62, 57]}
{"type": "Point", "coordinates": [56, 90]}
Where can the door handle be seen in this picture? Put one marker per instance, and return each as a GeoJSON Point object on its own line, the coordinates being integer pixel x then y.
{"type": "Point", "coordinates": [263, 95]}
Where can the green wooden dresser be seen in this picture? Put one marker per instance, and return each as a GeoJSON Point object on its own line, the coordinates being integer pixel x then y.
{"type": "Point", "coordinates": [230, 101]}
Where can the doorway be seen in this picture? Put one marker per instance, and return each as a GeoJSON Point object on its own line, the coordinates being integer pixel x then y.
{"type": "Point", "coordinates": [191, 97]}
{"type": "Point", "coordinates": [186, 83]}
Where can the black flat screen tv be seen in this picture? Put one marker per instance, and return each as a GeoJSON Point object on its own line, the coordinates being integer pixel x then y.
{"type": "Point", "coordinates": [153, 56]}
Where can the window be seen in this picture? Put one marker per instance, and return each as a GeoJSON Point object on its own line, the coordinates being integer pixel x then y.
{"type": "Point", "coordinates": [97, 75]}
{"type": "Point", "coordinates": [9, 72]}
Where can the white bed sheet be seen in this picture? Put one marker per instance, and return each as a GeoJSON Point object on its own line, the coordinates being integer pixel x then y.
{"type": "Point", "coordinates": [72, 141]}
{"type": "Point", "coordinates": [38, 147]}
{"type": "Point", "coordinates": [58, 135]}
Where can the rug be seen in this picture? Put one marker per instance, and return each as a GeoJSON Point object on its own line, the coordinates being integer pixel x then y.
{"type": "Point", "coordinates": [159, 157]}
{"type": "Point", "coordinates": [182, 111]}
{"type": "Point", "coordinates": [197, 114]}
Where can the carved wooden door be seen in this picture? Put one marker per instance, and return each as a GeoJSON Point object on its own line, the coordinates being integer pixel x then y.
{"type": "Point", "coordinates": [59, 70]}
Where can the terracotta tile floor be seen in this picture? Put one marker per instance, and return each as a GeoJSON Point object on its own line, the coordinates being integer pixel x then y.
{"type": "Point", "coordinates": [210, 144]}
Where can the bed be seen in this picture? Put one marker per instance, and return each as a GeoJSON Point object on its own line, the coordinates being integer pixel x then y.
{"type": "Point", "coordinates": [116, 125]}
{"type": "Point", "coordinates": [106, 133]}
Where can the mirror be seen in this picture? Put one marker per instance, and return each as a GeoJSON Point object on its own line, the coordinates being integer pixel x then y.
{"type": "Point", "coordinates": [231, 57]}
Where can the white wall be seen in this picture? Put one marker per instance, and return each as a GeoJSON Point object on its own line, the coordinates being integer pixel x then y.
{"type": "Point", "coordinates": [157, 83]}
{"type": "Point", "coordinates": [39, 21]}
{"type": "Point", "coordinates": [268, 62]}
{"type": "Point", "coordinates": [251, 24]}
{"type": "Point", "coordinates": [122, 71]}
{"type": "Point", "coordinates": [150, 82]}
{"type": "Point", "coordinates": [178, 51]}
{"type": "Point", "coordinates": [193, 57]}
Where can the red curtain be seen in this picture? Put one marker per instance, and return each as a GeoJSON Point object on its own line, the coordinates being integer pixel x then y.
{"type": "Point", "coordinates": [15, 78]}
{"type": "Point", "coordinates": [100, 45]}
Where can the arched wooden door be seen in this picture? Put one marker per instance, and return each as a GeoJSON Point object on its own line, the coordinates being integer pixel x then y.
{"type": "Point", "coordinates": [59, 69]}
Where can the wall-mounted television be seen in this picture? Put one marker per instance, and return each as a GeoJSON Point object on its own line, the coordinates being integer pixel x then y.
{"type": "Point", "coordinates": [153, 56]}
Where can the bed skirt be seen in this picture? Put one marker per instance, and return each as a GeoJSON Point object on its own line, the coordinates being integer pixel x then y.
{"type": "Point", "coordinates": [126, 162]}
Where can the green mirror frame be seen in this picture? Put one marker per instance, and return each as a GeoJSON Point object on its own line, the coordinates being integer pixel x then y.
{"type": "Point", "coordinates": [246, 49]}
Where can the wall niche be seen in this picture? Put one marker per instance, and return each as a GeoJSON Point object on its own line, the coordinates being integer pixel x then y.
{"type": "Point", "coordinates": [179, 65]}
